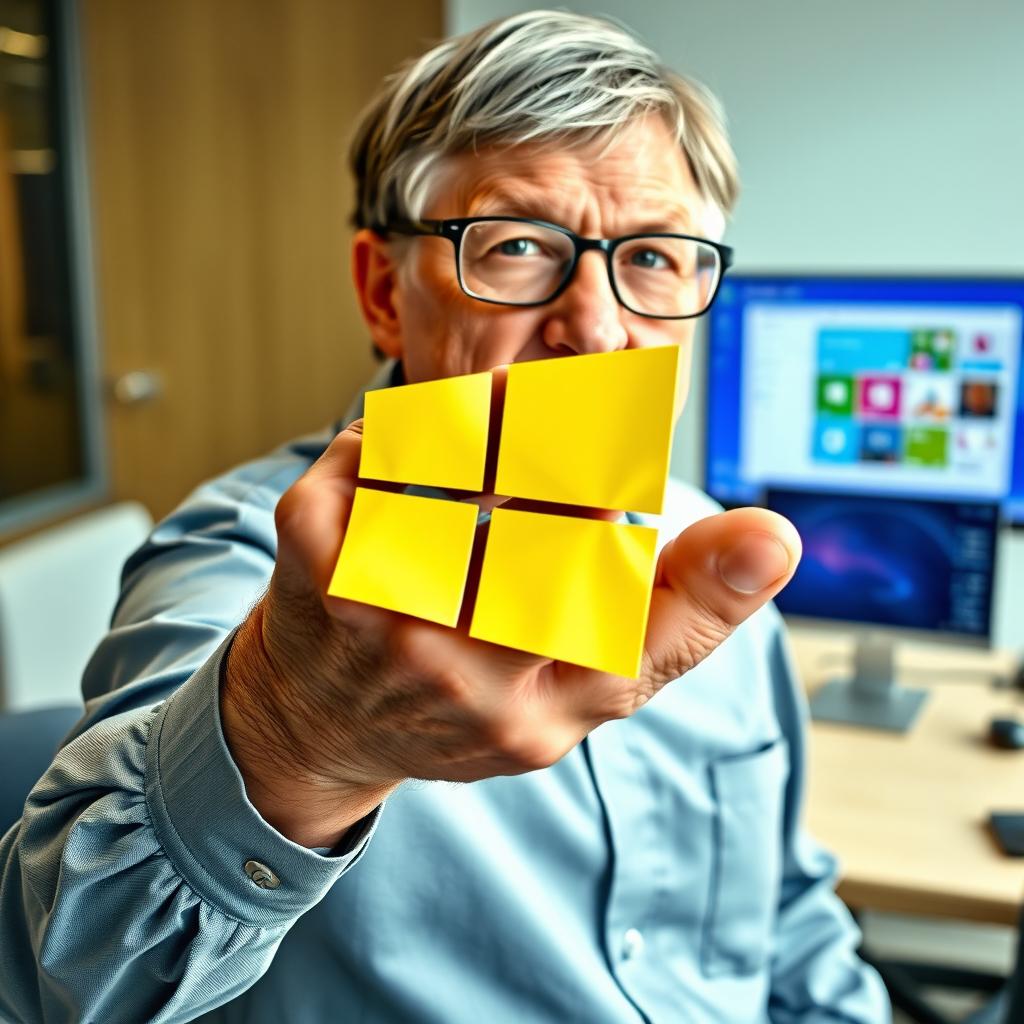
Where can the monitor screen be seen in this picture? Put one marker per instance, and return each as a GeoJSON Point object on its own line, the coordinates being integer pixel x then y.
{"type": "Point", "coordinates": [858, 385]}
{"type": "Point", "coordinates": [912, 564]}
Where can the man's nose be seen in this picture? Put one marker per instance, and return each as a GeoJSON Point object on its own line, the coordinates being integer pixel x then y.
{"type": "Point", "coordinates": [587, 317]}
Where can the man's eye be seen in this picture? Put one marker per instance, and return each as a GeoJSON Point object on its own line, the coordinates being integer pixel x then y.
{"type": "Point", "coordinates": [518, 247]}
{"type": "Point", "coordinates": [648, 259]}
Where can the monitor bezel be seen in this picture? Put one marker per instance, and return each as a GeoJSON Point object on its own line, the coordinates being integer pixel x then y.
{"type": "Point", "coordinates": [898, 634]}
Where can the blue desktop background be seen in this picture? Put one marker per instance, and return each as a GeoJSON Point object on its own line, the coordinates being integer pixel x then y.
{"type": "Point", "coordinates": [889, 561]}
{"type": "Point", "coordinates": [725, 354]}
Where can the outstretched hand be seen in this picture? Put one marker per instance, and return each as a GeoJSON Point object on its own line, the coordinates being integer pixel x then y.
{"type": "Point", "coordinates": [329, 704]}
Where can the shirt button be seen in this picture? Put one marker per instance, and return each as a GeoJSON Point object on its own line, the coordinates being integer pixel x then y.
{"type": "Point", "coordinates": [260, 875]}
{"type": "Point", "coordinates": [632, 944]}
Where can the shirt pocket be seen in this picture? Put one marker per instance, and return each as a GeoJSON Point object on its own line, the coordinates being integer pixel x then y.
{"type": "Point", "coordinates": [746, 867]}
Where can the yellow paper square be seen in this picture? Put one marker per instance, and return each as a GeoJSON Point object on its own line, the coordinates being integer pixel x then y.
{"type": "Point", "coordinates": [590, 430]}
{"type": "Point", "coordinates": [433, 433]}
{"type": "Point", "coordinates": [575, 590]}
{"type": "Point", "coordinates": [406, 553]}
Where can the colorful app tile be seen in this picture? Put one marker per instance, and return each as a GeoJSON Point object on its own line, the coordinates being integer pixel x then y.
{"type": "Point", "coordinates": [835, 395]}
{"type": "Point", "coordinates": [983, 352]}
{"type": "Point", "coordinates": [836, 440]}
{"type": "Point", "coordinates": [981, 346]}
{"type": "Point", "coordinates": [879, 396]}
{"type": "Point", "coordinates": [932, 349]}
{"type": "Point", "coordinates": [974, 444]}
{"type": "Point", "coordinates": [852, 350]}
{"type": "Point", "coordinates": [880, 443]}
{"type": "Point", "coordinates": [979, 399]}
{"type": "Point", "coordinates": [926, 446]}
{"type": "Point", "coordinates": [929, 396]}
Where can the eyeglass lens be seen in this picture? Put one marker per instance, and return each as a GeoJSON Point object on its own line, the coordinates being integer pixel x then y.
{"type": "Point", "coordinates": [507, 261]}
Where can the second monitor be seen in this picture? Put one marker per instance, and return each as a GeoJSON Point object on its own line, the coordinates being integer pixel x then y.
{"type": "Point", "coordinates": [890, 569]}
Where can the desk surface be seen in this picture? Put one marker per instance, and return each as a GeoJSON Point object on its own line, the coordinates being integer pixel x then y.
{"type": "Point", "coordinates": [907, 814]}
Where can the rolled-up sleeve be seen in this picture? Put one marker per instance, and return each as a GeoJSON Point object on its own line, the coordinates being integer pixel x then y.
{"type": "Point", "coordinates": [141, 884]}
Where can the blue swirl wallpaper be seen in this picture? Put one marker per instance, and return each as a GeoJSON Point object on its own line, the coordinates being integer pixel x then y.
{"type": "Point", "coordinates": [914, 564]}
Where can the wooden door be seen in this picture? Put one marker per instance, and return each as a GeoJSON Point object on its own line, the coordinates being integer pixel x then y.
{"type": "Point", "coordinates": [221, 201]}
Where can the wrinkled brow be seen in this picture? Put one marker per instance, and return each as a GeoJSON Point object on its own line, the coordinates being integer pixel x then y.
{"type": "Point", "coordinates": [509, 201]}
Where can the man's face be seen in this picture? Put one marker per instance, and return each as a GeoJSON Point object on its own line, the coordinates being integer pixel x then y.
{"type": "Point", "coordinates": [417, 311]}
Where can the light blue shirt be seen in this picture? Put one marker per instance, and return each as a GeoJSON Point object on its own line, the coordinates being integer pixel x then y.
{"type": "Point", "coordinates": [657, 873]}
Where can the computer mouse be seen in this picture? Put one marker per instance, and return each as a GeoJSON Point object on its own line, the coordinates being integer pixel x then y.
{"type": "Point", "coordinates": [1006, 733]}
{"type": "Point", "coordinates": [1017, 682]}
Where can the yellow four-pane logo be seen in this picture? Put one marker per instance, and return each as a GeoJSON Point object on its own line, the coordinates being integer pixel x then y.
{"type": "Point", "coordinates": [590, 430]}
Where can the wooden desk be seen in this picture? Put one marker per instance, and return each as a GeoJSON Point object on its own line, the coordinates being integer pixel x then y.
{"type": "Point", "coordinates": [907, 813]}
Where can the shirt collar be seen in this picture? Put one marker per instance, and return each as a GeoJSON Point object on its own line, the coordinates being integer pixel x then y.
{"type": "Point", "coordinates": [388, 375]}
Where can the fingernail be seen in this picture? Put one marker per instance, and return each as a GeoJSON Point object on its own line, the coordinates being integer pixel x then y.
{"type": "Point", "coordinates": [753, 563]}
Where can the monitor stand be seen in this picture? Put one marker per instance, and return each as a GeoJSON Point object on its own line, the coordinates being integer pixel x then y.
{"type": "Point", "coordinates": [872, 697]}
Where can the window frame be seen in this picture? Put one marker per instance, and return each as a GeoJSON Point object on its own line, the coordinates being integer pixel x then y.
{"type": "Point", "coordinates": [25, 512]}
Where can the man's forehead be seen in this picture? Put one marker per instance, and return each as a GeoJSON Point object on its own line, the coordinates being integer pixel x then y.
{"type": "Point", "coordinates": [649, 185]}
{"type": "Point", "coordinates": [518, 198]}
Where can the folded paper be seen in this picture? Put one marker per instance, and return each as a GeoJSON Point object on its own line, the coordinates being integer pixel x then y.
{"type": "Point", "coordinates": [570, 589]}
{"type": "Point", "coordinates": [433, 433]}
{"type": "Point", "coordinates": [590, 430]}
{"type": "Point", "coordinates": [406, 553]}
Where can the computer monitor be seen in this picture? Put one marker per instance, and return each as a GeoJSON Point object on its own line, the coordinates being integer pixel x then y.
{"type": "Point", "coordinates": [895, 402]}
{"type": "Point", "coordinates": [888, 568]}
{"type": "Point", "coordinates": [866, 385]}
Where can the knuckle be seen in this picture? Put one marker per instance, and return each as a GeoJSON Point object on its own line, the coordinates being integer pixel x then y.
{"type": "Point", "coordinates": [523, 749]}
{"type": "Point", "coordinates": [619, 705]}
{"type": "Point", "coordinates": [414, 655]}
{"type": "Point", "coordinates": [414, 648]}
{"type": "Point", "coordinates": [630, 701]}
{"type": "Point", "coordinates": [690, 648]}
{"type": "Point", "coordinates": [290, 507]}
{"type": "Point", "coordinates": [404, 642]}
{"type": "Point", "coordinates": [452, 689]}
{"type": "Point", "coordinates": [632, 696]}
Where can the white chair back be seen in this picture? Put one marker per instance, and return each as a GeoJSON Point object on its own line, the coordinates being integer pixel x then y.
{"type": "Point", "coordinates": [57, 592]}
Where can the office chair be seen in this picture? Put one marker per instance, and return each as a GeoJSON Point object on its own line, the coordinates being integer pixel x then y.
{"type": "Point", "coordinates": [28, 741]}
{"type": "Point", "coordinates": [58, 588]}
{"type": "Point", "coordinates": [905, 980]}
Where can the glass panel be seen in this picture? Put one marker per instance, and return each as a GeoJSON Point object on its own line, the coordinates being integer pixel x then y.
{"type": "Point", "coordinates": [41, 436]}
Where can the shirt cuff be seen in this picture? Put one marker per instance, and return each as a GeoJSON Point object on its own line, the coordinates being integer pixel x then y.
{"type": "Point", "coordinates": [209, 829]}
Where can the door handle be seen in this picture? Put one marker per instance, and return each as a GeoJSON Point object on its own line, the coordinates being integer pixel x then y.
{"type": "Point", "coordinates": [136, 387]}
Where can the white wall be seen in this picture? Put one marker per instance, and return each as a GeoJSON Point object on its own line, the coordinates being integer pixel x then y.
{"type": "Point", "coordinates": [879, 135]}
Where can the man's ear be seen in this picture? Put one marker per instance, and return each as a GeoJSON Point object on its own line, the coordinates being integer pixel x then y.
{"type": "Point", "coordinates": [375, 276]}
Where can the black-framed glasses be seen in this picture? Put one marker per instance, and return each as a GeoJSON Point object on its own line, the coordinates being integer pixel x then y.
{"type": "Point", "coordinates": [517, 261]}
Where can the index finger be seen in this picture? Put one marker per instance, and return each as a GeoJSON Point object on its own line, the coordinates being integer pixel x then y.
{"type": "Point", "coordinates": [311, 516]}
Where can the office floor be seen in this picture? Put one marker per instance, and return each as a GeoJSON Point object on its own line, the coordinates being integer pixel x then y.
{"type": "Point", "coordinates": [984, 947]}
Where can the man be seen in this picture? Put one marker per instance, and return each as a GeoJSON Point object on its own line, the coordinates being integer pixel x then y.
{"type": "Point", "coordinates": [216, 835]}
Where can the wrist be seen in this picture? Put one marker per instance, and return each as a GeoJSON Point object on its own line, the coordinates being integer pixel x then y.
{"type": "Point", "coordinates": [289, 795]}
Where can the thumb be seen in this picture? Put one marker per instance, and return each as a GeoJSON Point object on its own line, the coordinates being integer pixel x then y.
{"type": "Point", "coordinates": [712, 577]}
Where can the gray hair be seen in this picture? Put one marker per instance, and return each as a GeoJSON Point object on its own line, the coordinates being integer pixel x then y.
{"type": "Point", "coordinates": [538, 76]}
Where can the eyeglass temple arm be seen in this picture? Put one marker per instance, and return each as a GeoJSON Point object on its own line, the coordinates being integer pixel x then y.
{"type": "Point", "coordinates": [409, 227]}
